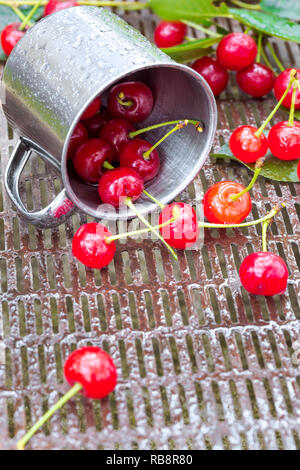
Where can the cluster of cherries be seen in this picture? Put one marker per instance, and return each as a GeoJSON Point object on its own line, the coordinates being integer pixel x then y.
{"type": "Point", "coordinates": [236, 52]}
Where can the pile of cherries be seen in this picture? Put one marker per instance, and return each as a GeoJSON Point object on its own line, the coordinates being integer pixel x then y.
{"type": "Point", "coordinates": [236, 52]}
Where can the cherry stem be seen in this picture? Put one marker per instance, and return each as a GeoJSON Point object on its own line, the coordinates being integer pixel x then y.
{"type": "Point", "coordinates": [137, 232]}
{"type": "Point", "coordinates": [248, 6]}
{"type": "Point", "coordinates": [152, 229]}
{"type": "Point", "coordinates": [201, 28]}
{"type": "Point", "coordinates": [17, 12]}
{"type": "Point", "coordinates": [119, 99]}
{"type": "Point", "coordinates": [292, 110]}
{"type": "Point", "coordinates": [179, 125]}
{"type": "Point", "coordinates": [269, 216]}
{"type": "Point", "coordinates": [267, 62]}
{"type": "Point", "coordinates": [258, 167]}
{"type": "Point", "coordinates": [108, 166]}
{"type": "Point", "coordinates": [264, 234]}
{"type": "Point", "coordinates": [61, 402]}
{"type": "Point", "coordinates": [30, 15]}
{"type": "Point", "coordinates": [274, 55]}
{"type": "Point", "coordinates": [266, 122]}
{"type": "Point", "coordinates": [197, 124]}
{"type": "Point", "coordinates": [259, 47]}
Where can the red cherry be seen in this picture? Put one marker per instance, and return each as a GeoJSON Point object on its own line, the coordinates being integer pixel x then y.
{"type": "Point", "coordinates": [298, 170]}
{"type": "Point", "coordinates": [96, 122]}
{"type": "Point", "coordinates": [215, 75]}
{"type": "Point", "coordinates": [10, 35]}
{"type": "Point", "coordinates": [92, 109]}
{"type": "Point", "coordinates": [183, 232]}
{"type": "Point", "coordinates": [79, 136]}
{"type": "Point", "coordinates": [169, 33]}
{"type": "Point", "coordinates": [89, 159]}
{"type": "Point", "coordinates": [220, 209]}
{"type": "Point", "coordinates": [116, 185]}
{"type": "Point", "coordinates": [246, 146]}
{"type": "Point", "coordinates": [256, 80]}
{"type": "Point", "coordinates": [137, 101]}
{"type": "Point", "coordinates": [284, 140]}
{"type": "Point", "coordinates": [264, 273]}
{"type": "Point", "coordinates": [236, 51]}
{"type": "Point", "coordinates": [53, 6]}
{"type": "Point", "coordinates": [94, 369]}
{"type": "Point", "coordinates": [90, 248]}
{"type": "Point", "coordinates": [132, 156]}
{"type": "Point", "coordinates": [116, 132]}
{"type": "Point", "coordinates": [280, 86]}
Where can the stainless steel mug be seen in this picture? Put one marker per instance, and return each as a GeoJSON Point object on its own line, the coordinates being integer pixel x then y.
{"type": "Point", "coordinates": [58, 68]}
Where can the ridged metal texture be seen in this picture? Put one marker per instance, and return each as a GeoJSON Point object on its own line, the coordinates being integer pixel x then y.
{"type": "Point", "coordinates": [202, 365]}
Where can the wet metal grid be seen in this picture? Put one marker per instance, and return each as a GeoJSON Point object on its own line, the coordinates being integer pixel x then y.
{"type": "Point", "coordinates": [202, 365]}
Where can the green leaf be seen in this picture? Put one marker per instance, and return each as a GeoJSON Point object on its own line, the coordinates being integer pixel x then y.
{"type": "Point", "coordinates": [286, 8]}
{"type": "Point", "coordinates": [274, 169]}
{"type": "Point", "coordinates": [191, 50]}
{"type": "Point", "coordinates": [7, 16]}
{"type": "Point", "coordinates": [268, 23]}
{"type": "Point", "coordinates": [194, 10]}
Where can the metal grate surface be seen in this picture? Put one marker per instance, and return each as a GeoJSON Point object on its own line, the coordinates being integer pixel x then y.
{"type": "Point", "coordinates": [202, 365]}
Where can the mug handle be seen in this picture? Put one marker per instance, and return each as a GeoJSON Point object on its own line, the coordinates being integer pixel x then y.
{"type": "Point", "coordinates": [58, 210]}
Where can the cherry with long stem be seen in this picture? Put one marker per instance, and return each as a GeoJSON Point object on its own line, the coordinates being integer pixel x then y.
{"type": "Point", "coordinates": [258, 167]}
{"type": "Point", "coordinates": [131, 206]}
{"type": "Point", "coordinates": [266, 122]}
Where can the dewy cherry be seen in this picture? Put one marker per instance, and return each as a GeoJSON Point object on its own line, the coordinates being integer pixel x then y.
{"type": "Point", "coordinates": [92, 109]}
{"type": "Point", "coordinates": [169, 33]}
{"type": "Point", "coordinates": [55, 5]}
{"type": "Point", "coordinates": [236, 51]}
{"type": "Point", "coordinates": [247, 145]}
{"type": "Point", "coordinates": [90, 248]}
{"type": "Point", "coordinates": [284, 137]}
{"type": "Point", "coordinates": [130, 100]}
{"type": "Point", "coordinates": [281, 84]}
{"type": "Point", "coordinates": [218, 206]}
{"type": "Point", "coordinates": [215, 75]}
{"type": "Point", "coordinates": [96, 122]}
{"type": "Point", "coordinates": [89, 159]}
{"type": "Point", "coordinates": [10, 35]}
{"type": "Point", "coordinates": [133, 156]}
{"type": "Point", "coordinates": [116, 132]}
{"type": "Point", "coordinates": [115, 186]}
{"type": "Point", "coordinates": [257, 80]}
{"type": "Point", "coordinates": [79, 136]}
{"type": "Point", "coordinates": [90, 371]}
{"type": "Point", "coordinates": [183, 231]}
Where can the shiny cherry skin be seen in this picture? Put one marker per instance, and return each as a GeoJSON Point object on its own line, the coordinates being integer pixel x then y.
{"type": "Point", "coordinates": [116, 132]}
{"type": "Point", "coordinates": [298, 171]}
{"type": "Point", "coordinates": [215, 75]}
{"type": "Point", "coordinates": [257, 80]}
{"type": "Point", "coordinates": [132, 156]}
{"type": "Point", "coordinates": [220, 209]}
{"type": "Point", "coordinates": [10, 35]}
{"type": "Point", "coordinates": [183, 232]}
{"type": "Point", "coordinates": [281, 84]}
{"type": "Point", "coordinates": [89, 159]}
{"type": "Point", "coordinates": [246, 146]}
{"type": "Point", "coordinates": [54, 5]}
{"type": "Point", "coordinates": [116, 185]}
{"type": "Point", "coordinates": [236, 51]}
{"type": "Point", "coordinates": [92, 109]}
{"type": "Point", "coordinates": [169, 33]}
{"type": "Point", "coordinates": [94, 369]}
{"type": "Point", "coordinates": [95, 123]}
{"type": "Point", "coordinates": [90, 248]}
{"type": "Point", "coordinates": [137, 95]}
{"type": "Point", "coordinates": [284, 140]}
{"type": "Point", "coordinates": [79, 136]}
{"type": "Point", "coordinates": [264, 273]}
